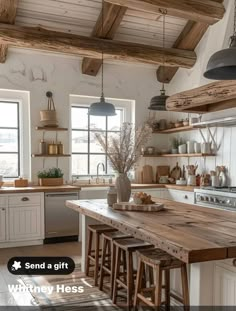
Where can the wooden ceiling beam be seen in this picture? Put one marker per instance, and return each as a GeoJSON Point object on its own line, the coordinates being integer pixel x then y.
{"type": "Point", "coordinates": [7, 15]}
{"type": "Point", "coordinates": [215, 96]}
{"type": "Point", "coordinates": [113, 15]}
{"type": "Point", "coordinates": [46, 40]}
{"type": "Point", "coordinates": [187, 40]}
{"type": "Point", "coordinates": [204, 11]}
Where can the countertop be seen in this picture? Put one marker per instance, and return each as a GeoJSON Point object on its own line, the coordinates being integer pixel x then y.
{"type": "Point", "coordinates": [64, 188]}
{"type": "Point", "coordinates": [69, 188]}
{"type": "Point", "coordinates": [188, 232]}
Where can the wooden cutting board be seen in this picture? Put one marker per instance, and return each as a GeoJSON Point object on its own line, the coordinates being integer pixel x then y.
{"type": "Point", "coordinates": [124, 206]}
{"type": "Point", "coordinates": [147, 174]}
{"type": "Point", "coordinates": [139, 177]}
{"type": "Point", "coordinates": [176, 172]}
{"type": "Point", "coordinates": [163, 170]}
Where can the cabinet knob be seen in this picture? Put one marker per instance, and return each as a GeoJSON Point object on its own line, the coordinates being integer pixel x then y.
{"type": "Point", "coordinates": [186, 197]}
{"type": "Point", "coordinates": [3, 209]}
{"type": "Point", "coordinates": [25, 199]}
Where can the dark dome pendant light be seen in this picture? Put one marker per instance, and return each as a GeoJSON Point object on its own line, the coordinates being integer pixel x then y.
{"type": "Point", "coordinates": [158, 102]}
{"type": "Point", "coordinates": [222, 64]}
{"type": "Point", "coordinates": [102, 108]}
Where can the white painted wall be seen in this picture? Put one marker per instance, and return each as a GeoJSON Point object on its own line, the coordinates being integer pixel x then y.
{"type": "Point", "coordinates": [216, 38]}
{"type": "Point", "coordinates": [37, 73]}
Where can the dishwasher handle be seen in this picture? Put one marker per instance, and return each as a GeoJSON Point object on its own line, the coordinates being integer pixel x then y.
{"type": "Point", "coordinates": [61, 195]}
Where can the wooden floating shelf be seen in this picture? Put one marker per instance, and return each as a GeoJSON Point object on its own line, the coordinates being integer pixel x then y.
{"type": "Point", "coordinates": [175, 130]}
{"type": "Point", "coordinates": [50, 155]}
{"type": "Point", "coordinates": [185, 155]}
{"type": "Point", "coordinates": [55, 129]}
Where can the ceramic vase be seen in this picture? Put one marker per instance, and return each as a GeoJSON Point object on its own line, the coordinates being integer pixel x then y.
{"type": "Point", "coordinates": [123, 187]}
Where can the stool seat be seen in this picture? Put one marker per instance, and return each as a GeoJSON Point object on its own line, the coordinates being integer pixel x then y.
{"type": "Point", "coordinates": [156, 256]}
{"type": "Point", "coordinates": [100, 228]}
{"type": "Point", "coordinates": [114, 235]}
{"type": "Point", "coordinates": [131, 244]}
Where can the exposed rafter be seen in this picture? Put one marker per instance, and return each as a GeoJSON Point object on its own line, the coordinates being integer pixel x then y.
{"type": "Point", "coordinates": [7, 15]}
{"type": "Point", "coordinates": [41, 39]}
{"type": "Point", "coordinates": [205, 11]}
{"type": "Point", "coordinates": [113, 15]}
{"type": "Point", "coordinates": [187, 40]}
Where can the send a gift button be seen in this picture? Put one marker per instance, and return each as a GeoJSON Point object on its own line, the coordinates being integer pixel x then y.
{"type": "Point", "coordinates": [41, 265]}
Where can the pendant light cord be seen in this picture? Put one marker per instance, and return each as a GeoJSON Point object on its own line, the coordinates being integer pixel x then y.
{"type": "Point", "coordinates": [102, 95]}
{"type": "Point", "coordinates": [163, 12]}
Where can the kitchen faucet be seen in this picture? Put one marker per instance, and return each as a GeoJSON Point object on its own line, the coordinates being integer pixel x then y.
{"type": "Point", "coordinates": [103, 166]}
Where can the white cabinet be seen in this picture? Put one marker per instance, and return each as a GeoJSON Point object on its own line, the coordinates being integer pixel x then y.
{"type": "Point", "coordinates": [181, 196]}
{"type": "Point", "coordinates": [2, 224]}
{"type": "Point", "coordinates": [21, 219]}
{"type": "Point", "coordinates": [24, 223]}
{"type": "Point", "coordinates": [224, 292]}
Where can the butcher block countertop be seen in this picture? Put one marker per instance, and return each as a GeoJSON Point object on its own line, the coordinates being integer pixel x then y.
{"type": "Point", "coordinates": [188, 232]}
{"type": "Point", "coordinates": [64, 188]}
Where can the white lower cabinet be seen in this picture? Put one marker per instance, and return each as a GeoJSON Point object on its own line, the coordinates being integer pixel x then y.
{"type": "Point", "coordinates": [181, 196]}
{"type": "Point", "coordinates": [22, 219]}
{"type": "Point", "coordinates": [224, 290]}
{"type": "Point", "coordinates": [24, 223]}
{"type": "Point", "coordinates": [3, 224]}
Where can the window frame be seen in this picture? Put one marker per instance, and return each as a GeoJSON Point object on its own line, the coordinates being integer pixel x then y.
{"type": "Point", "coordinates": [84, 102]}
{"type": "Point", "coordinates": [18, 152]}
{"type": "Point", "coordinates": [23, 98]}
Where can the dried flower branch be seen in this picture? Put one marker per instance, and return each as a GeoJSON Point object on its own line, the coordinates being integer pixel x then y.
{"type": "Point", "coordinates": [124, 148]}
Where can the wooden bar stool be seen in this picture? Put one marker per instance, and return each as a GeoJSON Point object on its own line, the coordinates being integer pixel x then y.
{"type": "Point", "coordinates": [108, 251]}
{"type": "Point", "coordinates": [125, 249]}
{"type": "Point", "coordinates": [159, 261]}
{"type": "Point", "coordinates": [93, 255]}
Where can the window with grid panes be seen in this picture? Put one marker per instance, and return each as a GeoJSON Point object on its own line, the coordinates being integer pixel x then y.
{"type": "Point", "coordinates": [9, 139]}
{"type": "Point", "coordinates": [86, 152]}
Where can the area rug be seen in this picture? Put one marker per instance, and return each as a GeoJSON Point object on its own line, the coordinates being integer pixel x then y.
{"type": "Point", "coordinates": [91, 298]}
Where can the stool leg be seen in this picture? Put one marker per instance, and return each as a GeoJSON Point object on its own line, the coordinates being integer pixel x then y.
{"type": "Point", "coordinates": [117, 272]}
{"type": "Point", "coordinates": [167, 289]}
{"type": "Point", "coordinates": [96, 266]}
{"type": "Point", "coordinates": [158, 287]}
{"type": "Point", "coordinates": [89, 247]}
{"type": "Point", "coordinates": [184, 278]}
{"type": "Point", "coordinates": [130, 279]}
{"type": "Point", "coordinates": [104, 248]}
{"type": "Point", "coordinates": [113, 258]}
{"type": "Point", "coordinates": [138, 281]}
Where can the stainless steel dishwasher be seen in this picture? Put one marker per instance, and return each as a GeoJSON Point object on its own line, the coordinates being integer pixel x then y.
{"type": "Point", "coordinates": [60, 221]}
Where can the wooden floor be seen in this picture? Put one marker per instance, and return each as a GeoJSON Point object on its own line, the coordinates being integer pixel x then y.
{"type": "Point", "coordinates": [71, 249]}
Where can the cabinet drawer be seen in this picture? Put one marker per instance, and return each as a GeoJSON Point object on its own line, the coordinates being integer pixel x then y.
{"type": "Point", "coordinates": [3, 201]}
{"type": "Point", "coordinates": [24, 200]}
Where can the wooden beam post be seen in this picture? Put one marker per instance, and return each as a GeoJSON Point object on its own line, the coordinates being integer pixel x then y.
{"type": "Point", "coordinates": [46, 40]}
{"type": "Point", "coordinates": [205, 11]}
{"type": "Point", "coordinates": [113, 15]}
{"type": "Point", "coordinates": [7, 15]}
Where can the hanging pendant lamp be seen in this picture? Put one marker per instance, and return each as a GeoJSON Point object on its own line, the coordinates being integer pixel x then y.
{"type": "Point", "coordinates": [102, 108]}
{"type": "Point", "coordinates": [222, 64]}
{"type": "Point", "coordinates": [158, 102]}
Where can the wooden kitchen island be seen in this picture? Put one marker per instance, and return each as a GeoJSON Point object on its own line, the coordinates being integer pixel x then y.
{"type": "Point", "coordinates": [199, 236]}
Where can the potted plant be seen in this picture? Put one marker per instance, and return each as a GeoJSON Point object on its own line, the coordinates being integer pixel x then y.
{"type": "Point", "coordinates": [50, 177]}
{"type": "Point", "coordinates": [175, 145]}
{"type": "Point", "coordinates": [123, 150]}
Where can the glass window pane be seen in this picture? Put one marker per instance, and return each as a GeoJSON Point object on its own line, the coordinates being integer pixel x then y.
{"type": "Point", "coordinates": [79, 118]}
{"type": "Point", "coordinates": [79, 141]}
{"type": "Point", "coordinates": [8, 115]}
{"type": "Point", "coordinates": [79, 164]}
{"type": "Point", "coordinates": [110, 169]}
{"type": "Point", "coordinates": [94, 160]}
{"type": "Point", "coordinates": [114, 123]}
{"type": "Point", "coordinates": [8, 140]}
{"type": "Point", "coordinates": [9, 165]}
{"type": "Point", "coordinates": [95, 147]}
{"type": "Point", "coordinates": [98, 123]}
